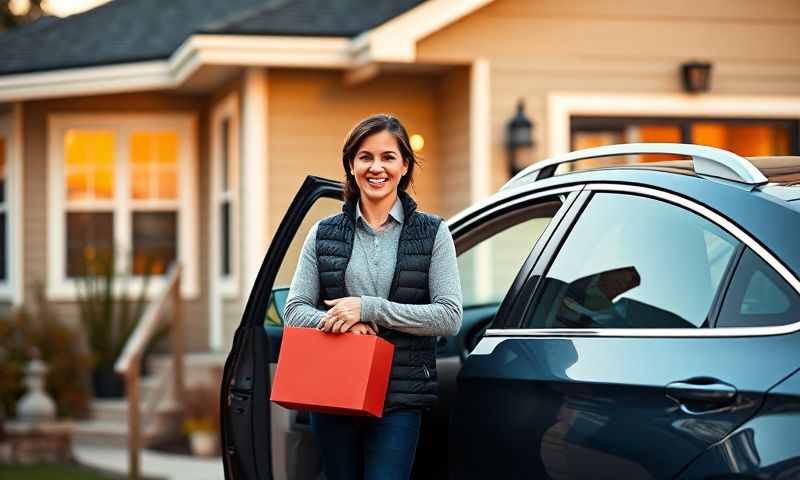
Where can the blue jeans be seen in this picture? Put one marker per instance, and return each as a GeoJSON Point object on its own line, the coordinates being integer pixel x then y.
{"type": "Point", "coordinates": [367, 448]}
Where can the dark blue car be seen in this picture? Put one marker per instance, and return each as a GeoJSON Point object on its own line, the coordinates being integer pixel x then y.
{"type": "Point", "coordinates": [631, 322]}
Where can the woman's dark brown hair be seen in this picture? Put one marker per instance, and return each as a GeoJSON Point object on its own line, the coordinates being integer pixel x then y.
{"type": "Point", "coordinates": [370, 126]}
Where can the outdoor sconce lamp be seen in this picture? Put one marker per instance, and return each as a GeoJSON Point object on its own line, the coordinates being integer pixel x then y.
{"type": "Point", "coordinates": [696, 76]}
{"type": "Point", "coordinates": [519, 140]}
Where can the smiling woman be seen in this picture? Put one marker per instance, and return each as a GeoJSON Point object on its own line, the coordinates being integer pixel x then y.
{"type": "Point", "coordinates": [379, 267]}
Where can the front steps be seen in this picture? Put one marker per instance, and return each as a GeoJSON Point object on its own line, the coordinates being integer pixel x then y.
{"type": "Point", "coordinates": [108, 425]}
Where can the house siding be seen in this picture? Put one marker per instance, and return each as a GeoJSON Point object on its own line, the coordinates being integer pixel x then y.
{"type": "Point", "coordinates": [452, 116]}
{"type": "Point", "coordinates": [537, 47]}
{"type": "Point", "coordinates": [311, 113]}
{"type": "Point", "coordinates": [35, 114]}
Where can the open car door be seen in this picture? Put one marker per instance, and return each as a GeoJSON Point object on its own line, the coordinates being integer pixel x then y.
{"type": "Point", "coordinates": [245, 418]}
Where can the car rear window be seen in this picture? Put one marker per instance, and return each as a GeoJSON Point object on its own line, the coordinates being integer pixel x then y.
{"type": "Point", "coordinates": [758, 297]}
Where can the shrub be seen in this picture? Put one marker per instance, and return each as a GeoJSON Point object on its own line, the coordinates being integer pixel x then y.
{"type": "Point", "coordinates": [201, 406]}
{"type": "Point", "coordinates": [24, 330]}
{"type": "Point", "coordinates": [108, 320]}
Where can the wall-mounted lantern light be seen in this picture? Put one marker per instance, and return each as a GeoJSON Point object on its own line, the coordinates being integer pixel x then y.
{"type": "Point", "coordinates": [519, 140]}
{"type": "Point", "coordinates": [696, 76]}
{"type": "Point", "coordinates": [417, 142]}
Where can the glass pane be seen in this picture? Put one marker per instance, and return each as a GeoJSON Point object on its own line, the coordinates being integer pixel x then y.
{"type": "Point", "coordinates": [654, 133]}
{"type": "Point", "coordinates": [225, 238]}
{"type": "Point", "coordinates": [154, 241]}
{"type": "Point", "coordinates": [627, 132]}
{"type": "Point", "coordinates": [657, 266]}
{"type": "Point", "coordinates": [168, 183]}
{"type": "Point", "coordinates": [751, 139]}
{"type": "Point", "coordinates": [225, 145]}
{"type": "Point", "coordinates": [167, 144]}
{"type": "Point", "coordinates": [488, 269]}
{"type": "Point", "coordinates": [758, 297]}
{"type": "Point", "coordinates": [154, 160]}
{"type": "Point", "coordinates": [103, 182]}
{"type": "Point", "coordinates": [89, 164]}
{"type": "Point", "coordinates": [3, 247]}
{"type": "Point", "coordinates": [3, 146]}
{"type": "Point", "coordinates": [140, 148]}
{"type": "Point", "coordinates": [324, 207]}
{"type": "Point", "coordinates": [140, 181]}
{"type": "Point", "coordinates": [90, 240]}
{"type": "Point", "coordinates": [590, 139]}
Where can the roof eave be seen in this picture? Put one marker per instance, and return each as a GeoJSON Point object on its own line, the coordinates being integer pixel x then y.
{"type": "Point", "coordinates": [392, 42]}
{"type": "Point", "coordinates": [198, 50]}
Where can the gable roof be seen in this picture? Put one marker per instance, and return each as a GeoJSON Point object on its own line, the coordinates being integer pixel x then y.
{"type": "Point", "coordinates": [125, 31]}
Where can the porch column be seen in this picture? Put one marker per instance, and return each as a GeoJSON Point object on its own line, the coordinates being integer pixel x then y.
{"type": "Point", "coordinates": [480, 125]}
{"type": "Point", "coordinates": [480, 164]}
{"type": "Point", "coordinates": [253, 206]}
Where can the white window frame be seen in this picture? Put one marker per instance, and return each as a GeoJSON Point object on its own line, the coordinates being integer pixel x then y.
{"type": "Point", "coordinates": [223, 287]}
{"type": "Point", "coordinates": [11, 129]}
{"type": "Point", "coordinates": [228, 109]}
{"type": "Point", "coordinates": [562, 105]}
{"type": "Point", "coordinates": [59, 286]}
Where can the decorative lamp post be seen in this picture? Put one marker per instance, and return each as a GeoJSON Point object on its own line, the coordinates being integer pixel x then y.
{"type": "Point", "coordinates": [696, 76]}
{"type": "Point", "coordinates": [36, 406]}
{"type": "Point", "coordinates": [35, 435]}
{"type": "Point", "coordinates": [519, 140]}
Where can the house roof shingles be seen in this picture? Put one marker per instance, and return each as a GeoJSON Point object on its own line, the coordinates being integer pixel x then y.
{"type": "Point", "coordinates": [124, 31]}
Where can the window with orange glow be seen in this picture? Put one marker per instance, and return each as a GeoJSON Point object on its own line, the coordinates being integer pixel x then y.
{"type": "Point", "coordinates": [149, 209]}
{"type": "Point", "coordinates": [634, 133]}
{"type": "Point", "coordinates": [89, 164]}
{"type": "Point", "coordinates": [154, 165]}
{"type": "Point", "coordinates": [748, 140]}
{"type": "Point", "coordinates": [746, 137]}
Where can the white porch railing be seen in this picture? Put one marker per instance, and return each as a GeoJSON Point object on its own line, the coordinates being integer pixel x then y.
{"type": "Point", "coordinates": [129, 363]}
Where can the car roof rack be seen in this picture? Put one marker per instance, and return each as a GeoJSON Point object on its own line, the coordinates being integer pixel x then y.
{"type": "Point", "coordinates": [711, 161]}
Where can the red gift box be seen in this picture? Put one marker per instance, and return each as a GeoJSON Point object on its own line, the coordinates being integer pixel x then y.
{"type": "Point", "coordinates": [332, 373]}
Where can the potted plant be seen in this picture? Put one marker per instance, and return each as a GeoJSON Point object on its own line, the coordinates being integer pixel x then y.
{"type": "Point", "coordinates": [108, 318]}
{"type": "Point", "coordinates": [201, 419]}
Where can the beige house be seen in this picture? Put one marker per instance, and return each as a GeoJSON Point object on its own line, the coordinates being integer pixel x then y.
{"type": "Point", "coordinates": [185, 135]}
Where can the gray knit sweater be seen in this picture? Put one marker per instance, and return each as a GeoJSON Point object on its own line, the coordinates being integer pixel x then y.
{"type": "Point", "coordinates": [369, 275]}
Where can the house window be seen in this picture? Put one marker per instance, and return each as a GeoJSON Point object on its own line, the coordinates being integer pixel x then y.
{"type": "Point", "coordinates": [746, 137]}
{"type": "Point", "coordinates": [224, 183]}
{"type": "Point", "coordinates": [4, 213]}
{"type": "Point", "coordinates": [89, 174]}
{"type": "Point", "coordinates": [225, 199]}
{"type": "Point", "coordinates": [11, 244]}
{"type": "Point", "coordinates": [123, 188]}
{"type": "Point", "coordinates": [154, 199]}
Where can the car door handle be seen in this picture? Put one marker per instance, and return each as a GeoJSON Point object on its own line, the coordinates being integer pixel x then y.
{"type": "Point", "coordinates": [701, 390]}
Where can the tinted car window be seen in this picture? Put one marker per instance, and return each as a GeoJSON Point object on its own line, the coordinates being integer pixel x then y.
{"type": "Point", "coordinates": [758, 296]}
{"type": "Point", "coordinates": [488, 268]}
{"type": "Point", "coordinates": [634, 262]}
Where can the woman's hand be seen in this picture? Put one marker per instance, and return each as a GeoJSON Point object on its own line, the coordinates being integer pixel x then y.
{"type": "Point", "coordinates": [345, 313]}
{"type": "Point", "coordinates": [362, 328]}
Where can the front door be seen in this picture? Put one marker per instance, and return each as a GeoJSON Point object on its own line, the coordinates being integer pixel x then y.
{"type": "Point", "coordinates": [258, 438]}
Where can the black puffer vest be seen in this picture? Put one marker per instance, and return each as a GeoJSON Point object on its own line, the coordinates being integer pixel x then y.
{"type": "Point", "coordinates": [413, 378]}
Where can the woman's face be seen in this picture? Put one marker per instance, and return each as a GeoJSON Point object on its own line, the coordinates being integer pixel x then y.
{"type": "Point", "coordinates": [378, 166]}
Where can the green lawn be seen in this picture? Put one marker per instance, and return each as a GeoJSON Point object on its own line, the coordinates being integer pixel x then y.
{"type": "Point", "coordinates": [48, 472]}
